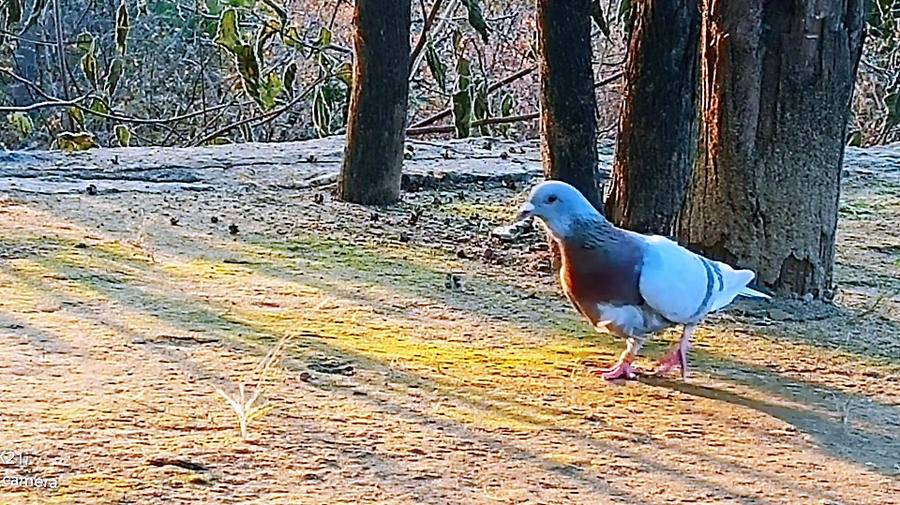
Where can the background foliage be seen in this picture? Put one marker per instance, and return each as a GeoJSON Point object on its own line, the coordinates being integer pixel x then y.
{"type": "Point", "coordinates": [196, 72]}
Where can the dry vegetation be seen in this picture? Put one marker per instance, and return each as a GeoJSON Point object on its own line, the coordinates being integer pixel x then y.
{"type": "Point", "coordinates": [173, 65]}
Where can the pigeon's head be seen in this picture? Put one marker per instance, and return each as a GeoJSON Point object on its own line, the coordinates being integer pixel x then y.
{"type": "Point", "coordinates": [557, 204]}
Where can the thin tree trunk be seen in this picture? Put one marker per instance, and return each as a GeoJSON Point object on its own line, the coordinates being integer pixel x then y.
{"type": "Point", "coordinates": [776, 83]}
{"type": "Point", "coordinates": [376, 125]}
{"type": "Point", "coordinates": [657, 140]}
{"type": "Point", "coordinates": [568, 105]}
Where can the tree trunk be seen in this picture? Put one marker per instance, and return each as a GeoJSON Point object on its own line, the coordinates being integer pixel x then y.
{"type": "Point", "coordinates": [776, 82]}
{"type": "Point", "coordinates": [376, 125]}
{"type": "Point", "coordinates": [568, 105]}
{"type": "Point", "coordinates": [657, 140]}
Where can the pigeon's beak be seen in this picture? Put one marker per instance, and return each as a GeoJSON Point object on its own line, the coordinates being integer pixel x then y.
{"type": "Point", "coordinates": [525, 212]}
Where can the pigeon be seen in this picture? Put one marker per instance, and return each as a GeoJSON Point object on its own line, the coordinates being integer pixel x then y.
{"type": "Point", "coordinates": [628, 284]}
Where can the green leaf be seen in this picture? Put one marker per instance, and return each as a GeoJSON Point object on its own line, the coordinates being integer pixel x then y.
{"type": "Point", "coordinates": [892, 101]}
{"type": "Point", "coordinates": [214, 7]}
{"type": "Point", "coordinates": [321, 113]}
{"type": "Point", "coordinates": [21, 123]}
{"type": "Point", "coordinates": [480, 106]}
{"type": "Point", "coordinates": [436, 66]}
{"type": "Point", "coordinates": [84, 42]}
{"type": "Point", "coordinates": [36, 10]}
{"type": "Point", "coordinates": [13, 12]}
{"type": "Point", "coordinates": [75, 141]}
{"type": "Point", "coordinates": [462, 98]}
{"type": "Point", "coordinates": [89, 67]}
{"type": "Point", "coordinates": [99, 107]}
{"type": "Point", "coordinates": [113, 74]}
{"type": "Point", "coordinates": [227, 35]}
{"type": "Point", "coordinates": [599, 18]}
{"type": "Point", "coordinates": [345, 73]}
{"type": "Point", "coordinates": [507, 104]}
{"type": "Point", "coordinates": [476, 18]}
{"type": "Point", "coordinates": [279, 11]}
{"type": "Point", "coordinates": [122, 25]}
{"type": "Point", "coordinates": [123, 135]}
{"type": "Point", "coordinates": [246, 4]}
{"type": "Point", "coordinates": [291, 37]}
{"type": "Point", "coordinates": [76, 115]}
{"type": "Point", "coordinates": [269, 89]}
{"type": "Point", "coordinates": [324, 39]}
{"type": "Point", "coordinates": [624, 11]}
{"type": "Point", "coordinates": [288, 78]}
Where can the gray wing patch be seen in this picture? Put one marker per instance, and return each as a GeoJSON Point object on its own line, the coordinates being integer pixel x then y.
{"type": "Point", "coordinates": [714, 283]}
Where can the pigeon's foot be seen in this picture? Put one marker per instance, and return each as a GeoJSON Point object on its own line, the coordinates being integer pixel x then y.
{"type": "Point", "coordinates": [622, 370]}
{"type": "Point", "coordinates": [677, 357]}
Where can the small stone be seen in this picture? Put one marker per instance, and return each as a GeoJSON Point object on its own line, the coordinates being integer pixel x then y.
{"type": "Point", "coordinates": [404, 237]}
{"type": "Point", "coordinates": [91, 189]}
{"type": "Point", "coordinates": [233, 229]}
{"type": "Point", "coordinates": [214, 219]}
{"type": "Point", "coordinates": [173, 221]}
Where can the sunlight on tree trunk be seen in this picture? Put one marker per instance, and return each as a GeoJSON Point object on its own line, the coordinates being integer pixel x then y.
{"type": "Point", "coordinates": [657, 141]}
{"type": "Point", "coordinates": [776, 82]}
{"type": "Point", "coordinates": [373, 158]}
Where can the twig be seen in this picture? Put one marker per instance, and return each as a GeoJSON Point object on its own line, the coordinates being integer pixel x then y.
{"type": "Point", "coordinates": [61, 49]}
{"type": "Point", "coordinates": [443, 20]}
{"type": "Point", "coordinates": [44, 105]}
{"type": "Point", "coordinates": [493, 87]}
{"type": "Point", "coordinates": [52, 101]}
{"type": "Point", "coordinates": [261, 118]}
{"type": "Point", "coordinates": [475, 124]}
{"type": "Point", "coordinates": [604, 82]}
{"type": "Point", "coordinates": [428, 20]}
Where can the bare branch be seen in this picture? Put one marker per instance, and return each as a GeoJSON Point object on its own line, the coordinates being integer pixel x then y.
{"type": "Point", "coordinates": [423, 37]}
{"type": "Point", "coordinates": [475, 124]}
{"type": "Point", "coordinates": [45, 105]}
{"type": "Point", "coordinates": [263, 118]}
{"type": "Point", "coordinates": [493, 87]}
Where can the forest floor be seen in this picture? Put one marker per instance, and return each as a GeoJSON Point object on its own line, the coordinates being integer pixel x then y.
{"type": "Point", "coordinates": [425, 361]}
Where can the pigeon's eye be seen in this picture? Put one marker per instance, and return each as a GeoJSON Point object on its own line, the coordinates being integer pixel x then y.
{"type": "Point", "coordinates": [551, 198]}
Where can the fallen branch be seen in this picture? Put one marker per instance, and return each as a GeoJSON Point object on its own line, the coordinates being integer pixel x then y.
{"type": "Point", "coordinates": [493, 87]}
{"type": "Point", "coordinates": [475, 124]}
{"type": "Point", "coordinates": [263, 118]}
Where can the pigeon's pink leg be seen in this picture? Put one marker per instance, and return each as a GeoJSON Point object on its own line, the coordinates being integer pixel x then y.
{"type": "Point", "coordinates": [677, 356]}
{"type": "Point", "coordinates": [623, 369]}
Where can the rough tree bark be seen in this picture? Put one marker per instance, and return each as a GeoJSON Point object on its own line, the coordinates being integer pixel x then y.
{"type": "Point", "coordinates": [657, 141]}
{"type": "Point", "coordinates": [376, 126]}
{"type": "Point", "coordinates": [776, 82]}
{"type": "Point", "coordinates": [568, 105]}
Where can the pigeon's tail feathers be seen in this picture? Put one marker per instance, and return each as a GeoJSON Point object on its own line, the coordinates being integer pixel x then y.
{"type": "Point", "coordinates": [752, 293]}
{"type": "Point", "coordinates": [734, 284]}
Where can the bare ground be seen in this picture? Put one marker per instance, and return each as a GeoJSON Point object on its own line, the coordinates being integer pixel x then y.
{"type": "Point", "coordinates": [120, 312]}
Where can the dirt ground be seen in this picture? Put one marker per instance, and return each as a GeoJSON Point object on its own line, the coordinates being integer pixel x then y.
{"type": "Point", "coordinates": [425, 362]}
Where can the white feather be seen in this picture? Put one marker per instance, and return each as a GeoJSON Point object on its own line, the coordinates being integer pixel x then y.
{"type": "Point", "coordinates": [684, 287]}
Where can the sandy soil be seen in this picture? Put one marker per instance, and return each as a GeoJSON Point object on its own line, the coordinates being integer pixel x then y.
{"type": "Point", "coordinates": [121, 313]}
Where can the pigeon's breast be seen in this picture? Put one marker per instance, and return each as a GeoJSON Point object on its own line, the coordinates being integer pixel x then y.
{"type": "Point", "coordinates": [591, 277]}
